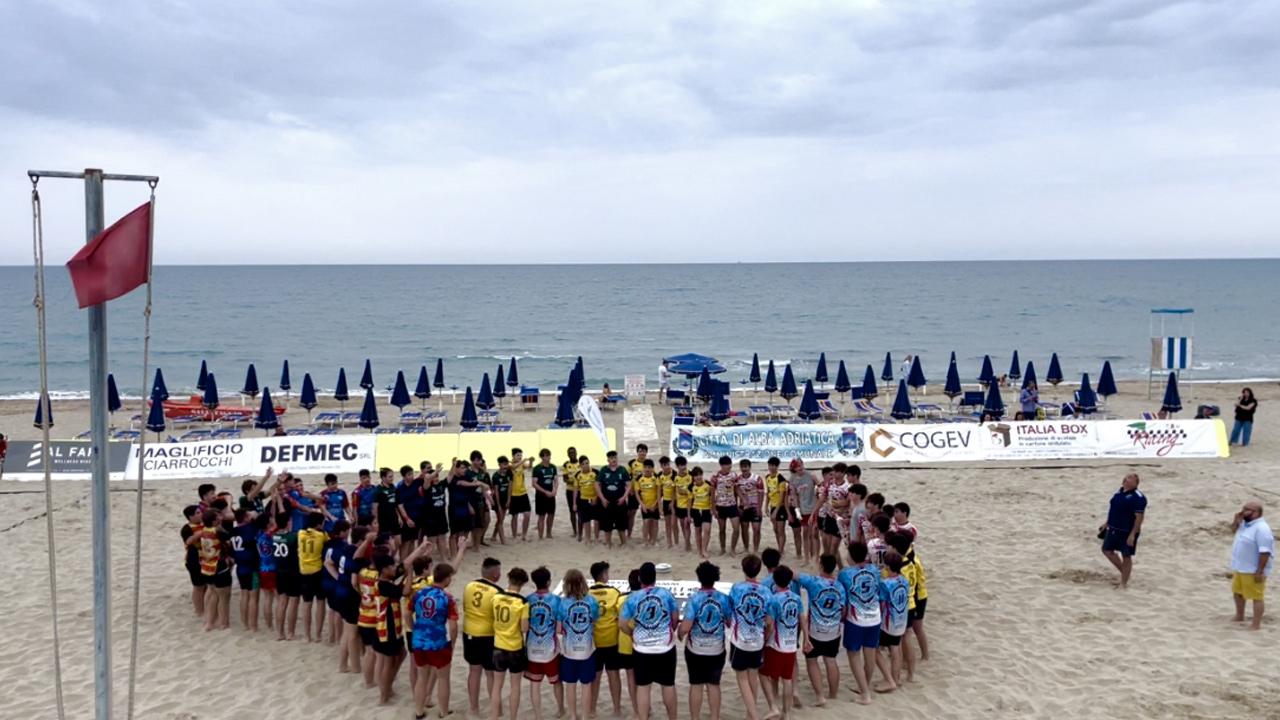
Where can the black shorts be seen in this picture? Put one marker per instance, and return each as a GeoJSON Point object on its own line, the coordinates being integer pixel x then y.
{"type": "Point", "coordinates": [750, 515]}
{"type": "Point", "coordinates": [568, 500]}
{"type": "Point", "coordinates": [309, 586]}
{"type": "Point", "coordinates": [607, 658]}
{"type": "Point", "coordinates": [392, 647]}
{"type": "Point", "coordinates": [681, 513]}
{"type": "Point", "coordinates": [349, 607]}
{"type": "Point", "coordinates": [666, 507]}
{"type": "Point", "coordinates": [221, 579]}
{"type": "Point", "coordinates": [917, 612]}
{"type": "Point", "coordinates": [435, 521]}
{"type": "Point", "coordinates": [650, 514]}
{"type": "Point", "coordinates": [701, 517]}
{"type": "Point", "coordinates": [477, 650]}
{"type": "Point", "coordinates": [887, 640]}
{"type": "Point", "coordinates": [626, 661]}
{"type": "Point", "coordinates": [364, 519]}
{"type": "Point", "coordinates": [519, 505]}
{"type": "Point", "coordinates": [500, 499]}
{"type": "Point", "coordinates": [510, 661]}
{"type": "Point", "coordinates": [824, 649]}
{"type": "Point", "coordinates": [461, 524]}
{"type": "Point", "coordinates": [830, 526]}
{"type": "Point", "coordinates": [657, 669]}
{"type": "Point", "coordinates": [586, 511]}
{"type": "Point", "coordinates": [288, 584]}
{"type": "Point", "coordinates": [727, 511]}
{"type": "Point", "coordinates": [368, 637]}
{"type": "Point", "coordinates": [704, 669]}
{"type": "Point", "coordinates": [410, 534]}
{"type": "Point", "coordinates": [613, 517]}
{"type": "Point", "coordinates": [740, 659]}
{"type": "Point", "coordinates": [248, 579]}
{"type": "Point", "coordinates": [633, 503]}
{"type": "Point", "coordinates": [389, 524]}
{"type": "Point", "coordinates": [543, 505]}
{"type": "Point", "coordinates": [780, 515]}
{"type": "Point", "coordinates": [197, 577]}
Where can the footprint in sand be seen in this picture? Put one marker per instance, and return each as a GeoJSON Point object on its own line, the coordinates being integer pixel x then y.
{"type": "Point", "coordinates": [1079, 576]}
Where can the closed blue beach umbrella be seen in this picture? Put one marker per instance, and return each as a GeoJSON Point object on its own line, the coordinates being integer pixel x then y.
{"type": "Point", "coordinates": [886, 374]}
{"type": "Point", "coordinates": [250, 382]}
{"type": "Point", "coordinates": [809, 404]}
{"type": "Point", "coordinates": [438, 380]}
{"type": "Point", "coordinates": [1054, 376]}
{"type": "Point", "coordinates": [285, 384]}
{"type": "Point", "coordinates": [113, 394]}
{"type": "Point", "coordinates": [369, 413]}
{"type": "Point", "coordinates": [789, 389]}
{"type": "Point", "coordinates": [953, 388]}
{"type": "Point", "coordinates": [210, 399]}
{"type": "Point", "coordinates": [564, 412]}
{"type": "Point", "coordinates": [1029, 376]}
{"type": "Point", "coordinates": [423, 390]}
{"type": "Point", "coordinates": [987, 374]}
{"type": "Point", "coordinates": [1106, 381]}
{"type": "Point", "coordinates": [915, 378]}
{"type": "Point", "coordinates": [400, 393]}
{"type": "Point", "coordinates": [340, 390]}
{"type": "Point", "coordinates": [842, 379]}
{"type": "Point", "coordinates": [901, 403]}
{"type": "Point", "coordinates": [1086, 399]}
{"type": "Point", "coordinates": [719, 409]}
{"type": "Point", "coordinates": [820, 374]}
{"type": "Point", "coordinates": [869, 388]}
{"type": "Point", "coordinates": [1015, 367]}
{"type": "Point", "coordinates": [307, 400]}
{"type": "Point", "coordinates": [203, 377]}
{"type": "Point", "coordinates": [499, 383]}
{"type": "Point", "coordinates": [158, 387]}
{"type": "Point", "coordinates": [266, 419]}
{"type": "Point", "coordinates": [706, 386]}
{"type": "Point", "coordinates": [469, 421]}
{"type": "Point", "coordinates": [39, 421]}
{"type": "Point", "coordinates": [994, 404]}
{"type": "Point", "coordinates": [155, 416]}
{"type": "Point", "coordinates": [754, 376]}
{"type": "Point", "coordinates": [366, 378]}
{"type": "Point", "coordinates": [513, 375]}
{"type": "Point", "coordinates": [484, 399]}
{"type": "Point", "coordinates": [1172, 402]}
{"type": "Point", "coordinates": [771, 379]}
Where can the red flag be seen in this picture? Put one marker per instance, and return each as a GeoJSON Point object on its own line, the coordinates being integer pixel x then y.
{"type": "Point", "coordinates": [115, 261]}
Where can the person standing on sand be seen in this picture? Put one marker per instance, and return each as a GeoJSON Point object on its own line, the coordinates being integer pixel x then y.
{"type": "Point", "coordinates": [1251, 554]}
{"type": "Point", "coordinates": [1246, 406]}
{"type": "Point", "coordinates": [4, 450]}
{"type": "Point", "coordinates": [664, 380]}
{"type": "Point", "coordinates": [1029, 401]}
{"type": "Point", "coordinates": [1123, 526]}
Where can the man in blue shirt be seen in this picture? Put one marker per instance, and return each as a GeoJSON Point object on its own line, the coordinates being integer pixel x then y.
{"type": "Point", "coordinates": [1124, 523]}
{"type": "Point", "coordinates": [746, 639]}
{"type": "Point", "coordinates": [707, 614]}
{"type": "Point", "coordinates": [650, 616]}
{"type": "Point", "coordinates": [826, 609]}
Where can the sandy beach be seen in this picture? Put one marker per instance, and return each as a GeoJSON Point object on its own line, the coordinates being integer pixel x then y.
{"type": "Point", "coordinates": [1023, 621]}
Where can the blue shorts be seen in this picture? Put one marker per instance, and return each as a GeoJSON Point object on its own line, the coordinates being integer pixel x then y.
{"type": "Point", "coordinates": [579, 672]}
{"type": "Point", "coordinates": [857, 637]}
{"type": "Point", "coordinates": [1118, 541]}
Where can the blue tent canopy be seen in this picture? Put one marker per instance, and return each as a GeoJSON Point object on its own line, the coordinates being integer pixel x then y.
{"type": "Point", "coordinates": [869, 387]}
{"type": "Point", "coordinates": [340, 390]}
{"type": "Point", "coordinates": [250, 382]}
{"type": "Point", "coordinates": [953, 389]}
{"type": "Point", "coordinates": [1015, 367]}
{"type": "Point", "coordinates": [266, 419]}
{"type": "Point", "coordinates": [771, 379]}
{"type": "Point", "coordinates": [809, 404]}
{"type": "Point", "coordinates": [987, 374]}
{"type": "Point", "coordinates": [1054, 375]}
{"type": "Point", "coordinates": [285, 384]}
{"type": "Point", "coordinates": [468, 421]}
{"type": "Point", "coordinates": [210, 399]}
{"type": "Point", "coordinates": [423, 389]}
{"type": "Point", "coordinates": [1029, 377]}
{"type": "Point", "coordinates": [1172, 401]}
{"type": "Point", "coordinates": [1106, 381]}
{"type": "Point", "coordinates": [307, 400]}
{"type": "Point", "coordinates": [901, 403]}
{"type": "Point", "coordinates": [438, 379]}
{"type": "Point", "coordinates": [203, 376]}
{"type": "Point", "coordinates": [400, 393]}
{"type": "Point", "coordinates": [369, 413]}
{"type": "Point", "coordinates": [564, 412]}
{"type": "Point", "coordinates": [915, 378]}
{"type": "Point", "coordinates": [789, 389]}
{"type": "Point", "coordinates": [113, 394]}
{"type": "Point", "coordinates": [820, 374]}
{"type": "Point", "coordinates": [994, 404]}
{"type": "Point", "coordinates": [886, 374]}
{"type": "Point", "coordinates": [499, 383]}
{"type": "Point", "coordinates": [484, 400]}
{"type": "Point", "coordinates": [513, 374]}
{"type": "Point", "coordinates": [39, 420]}
{"type": "Point", "coordinates": [155, 416]}
{"type": "Point", "coordinates": [692, 364]}
{"type": "Point", "coordinates": [366, 378]}
{"type": "Point", "coordinates": [1086, 399]}
{"type": "Point", "coordinates": [754, 377]}
{"type": "Point", "coordinates": [158, 387]}
{"type": "Point", "coordinates": [842, 379]}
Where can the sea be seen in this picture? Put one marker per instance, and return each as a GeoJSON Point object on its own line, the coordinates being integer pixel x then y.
{"type": "Point", "coordinates": [623, 319]}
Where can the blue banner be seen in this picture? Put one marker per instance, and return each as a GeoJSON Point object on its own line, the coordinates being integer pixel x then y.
{"type": "Point", "coordinates": [820, 442]}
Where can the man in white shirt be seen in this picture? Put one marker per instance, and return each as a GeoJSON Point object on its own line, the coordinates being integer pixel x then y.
{"type": "Point", "coordinates": [664, 380]}
{"type": "Point", "coordinates": [1251, 555]}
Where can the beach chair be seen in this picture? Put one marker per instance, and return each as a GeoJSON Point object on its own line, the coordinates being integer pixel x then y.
{"type": "Point", "coordinates": [437, 418]}
{"type": "Point", "coordinates": [828, 410]}
{"type": "Point", "coordinates": [529, 398]}
{"type": "Point", "coordinates": [84, 435]}
{"type": "Point", "coordinates": [488, 417]}
{"type": "Point", "coordinates": [324, 431]}
{"type": "Point", "coordinates": [1051, 409]}
{"type": "Point", "coordinates": [1149, 416]}
{"type": "Point", "coordinates": [297, 431]}
{"type": "Point", "coordinates": [499, 428]}
{"type": "Point", "coordinates": [927, 409]}
{"type": "Point", "coordinates": [866, 408]}
{"type": "Point", "coordinates": [760, 412]}
{"type": "Point", "coordinates": [410, 418]}
{"type": "Point", "coordinates": [784, 412]}
{"type": "Point", "coordinates": [386, 431]}
{"type": "Point", "coordinates": [350, 419]}
{"type": "Point", "coordinates": [125, 435]}
{"type": "Point", "coordinates": [611, 402]}
{"type": "Point", "coordinates": [971, 399]}
{"type": "Point", "coordinates": [633, 387]}
{"type": "Point", "coordinates": [186, 420]}
{"type": "Point", "coordinates": [193, 435]}
{"type": "Point", "coordinates": [682, 411]}
{"type": "Point", "coordinates": [682, 420]}
{"type": "Point", "coordinates": [327, 418]}
{"type": "Point", "coordinates": [677, 397]}
{"type": "Point", "coordinates": [135, 422]}
{"type": "Point", "coordinates": [225, 433]}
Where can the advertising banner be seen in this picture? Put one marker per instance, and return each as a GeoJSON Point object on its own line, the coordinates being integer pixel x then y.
{"type": "Point", "coordinates": [822, 442]}
{"type": "Point", "coordinates": [1162, 439]}
{"type": "Point", "coordinates": [906, 443]}
{"type": "Point", "coordinates": [300, 454]}
{"type": "Point", "coordinates": [69, 459]}
{"type": "Point", "coordinates": [1039, 439]}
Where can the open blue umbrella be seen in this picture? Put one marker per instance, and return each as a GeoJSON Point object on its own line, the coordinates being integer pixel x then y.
{"type": "Point", "coordinates": [1015, 367]}
{"type": "Point", "coordinates": [771, 379]}
{"type": "Point", "coordinates": [1172, 402]}
{"type": "Point", "coordinates": [203, 376]}
{"type": "Point", "coordinates": [1054, 376]}
{"type": "Point", "coordinates": [754, 376]}
{"type": "Point", "coordinates": [155, 416]}
{"type": "Point", "coordinates": [809, 404]}
{"type": "Point", "coordinates": [869, 388]}
{"type": "Point", "coordinates": [987, 374]}
{"type": "Point", "coordinates": [423, 389]}
{"type": "Point", "coordinates": [285, 384]}
{"type": "Point", "coordinates": [1086, 399]}
{"type": "Point", "coordinates": [564, 412]}
{"type": "Point", "coordinates": [250, 382]}
{"type": "Point", "coordinates": [842, 379]}
{"type": "Point", "coordinates": [513, 377]}
{"type": "Point", "coordinates": [340, 390]}
{"type": "Point", "coordinates": [1029, 377]}
{"type": "Point", "coordinates": [953, 389]}
{"type": "Point", "coordinates": [210, 399]}
{"type": "Point", "coordinates": [499, 383]}
{"type": "Point", "coordinates": [789, 390]}
{"type": "Point", "coordinates": [158, 387]}
{"type": "Point", "coordinates": [994, 405]}
{"type": "Point", "coordinates": [39, 421]}
{"type": "Point", "coordinates": [469, 421]}
{"type": "Point", "coordinates": [113, 394]}
{"type": "Point", "coordinates": [820, 374]}
{"type": "Point", "coordinates": [369, 413]}
{"type": "Point", "coordinates": [307, 400]}
{"type": "Point", "coordinates": [484, 400]}
{"type": "Point", "coordinates": [692, 364]}
{"type": "Point", "coordinates": [719, 409]}
{"type": "Point", "coordinates": [400, 393]}
{"type": "Point", "coordinates": [366, 378]}
{"type": "Point", "coordinates": [901, 403]}
{"type": "Point", "coordinates": [1106, 381]}
{"type": "Point", "coordinates": [886, 374]}
{"type": "Point", "coordinates": [438, 380]}
{"type": "Point", "coordinates": [915, 378]}
{"type": "Point", "coordinates": [266, 419]}
{"type": "Point", "coordinates": [706, 386]}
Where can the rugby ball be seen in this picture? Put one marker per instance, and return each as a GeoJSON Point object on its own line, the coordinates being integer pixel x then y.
{"type": "Point", "coordinates": [664, 568]}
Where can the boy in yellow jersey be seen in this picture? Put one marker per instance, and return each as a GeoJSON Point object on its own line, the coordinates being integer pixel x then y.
{"type": "Point", "coordinates": [914, 573]}
{"type": "Point", "coordinates": [606, 637]}
{"type": "Point", "coordinates": [626, 647]}
{"type": "Point", "coordinates": [649, 491]}
{"type": "Point", "coordinates": [518, 507]}
{"type": "Point", "coordinates": [684, 500]}
{"type": "Point", "coordinates": [311, 542]}
{"type": "Point", "coordinates": [667, 480]}
{"type": "Point", "coordinates": [700, 511]}
{"type": "Point", "coordinates": [477, 629]}
{"type": "Point", "coordinates": [584, 499]}
{"type": "Point", "coordinates": [510, 623]}
{"type": "Point", "coordinates": [635, 468]}
{"type": "Point", "coordinates": [571, 468]}
{"type": "Point", "coordinates": [775, 497]}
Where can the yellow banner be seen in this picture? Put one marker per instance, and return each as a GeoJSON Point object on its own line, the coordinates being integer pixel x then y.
{"type": "Point", "coordinates": [394, 451]}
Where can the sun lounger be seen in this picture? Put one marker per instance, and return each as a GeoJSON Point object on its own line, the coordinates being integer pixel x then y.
{"type": "Point", "coordinates": [529, 398]}
{"type": "Point", "coordinates": [1149, 416]}
{"type": "Point", "coordinates": [84, 435]}
{"type": "Point", "coordinates": [760, 412]}
{"type": "Point", "coordinates": [350, 419]}
{"type": "Point", "coordinates": [297, 431]}
{"type": "Point", "coordinates": [676, 397]}
{"type": "Point", "coordinates": [828, 410]}
{"type": "Point", "coordinates": [192, 435]}
{"type": "Point", "coordinates": [682, 420]}
{"type": "Point", "coordinates": [328, 418]}
{"type": "Point", "coordinates": [410, 418]}
{"type": "Point", "coordinates": [225, 433]}
{"type": "Point", "coordinates": [609, 402]}
{"type": "Point", "coordinates": [784, 412]}
{"type": "Point", "coordinates": [125, 435]}
{"type": "Point", "coordinates": [186, 420]}
{"type": "Point", "coordinates": [971, 399]}
{"type": "Point", "coordinates": [928, 409]}
{"type": "Point", "coordinates": [324, 431]}
{"type": "Point", "coordinates": [866, 408]}
{"type": "Point", "coordinates": [436, 417]}
{"type": "Point", "coordinates": [488, 417]}
{"type": "Point", "coordinates": [499, 428]}
{"type": "Point", "coordinates": [386, 431]}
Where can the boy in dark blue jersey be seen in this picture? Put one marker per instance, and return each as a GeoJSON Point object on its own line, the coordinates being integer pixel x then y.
{"type": "Point", "coordinates": [333, 502]}
{"type": "Point", "coordinates": [340, 566]}
{"type": "Point", "coordinates": [334, 548]}
{"type": "Point", "coordinates": [244, 551]}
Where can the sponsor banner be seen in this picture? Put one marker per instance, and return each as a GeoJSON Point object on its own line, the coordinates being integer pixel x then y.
{"type": "Point", "coordinates": [1039, 439]}
{"type": "Point", "coordinates": [397, 450]}
{"type": "Point", "coordinates": [822, 442]}
{"type": "Point", "coordinates": [68, 459]}
{"type": "Point", "coordinates": [1162, 439]}
{"type": "Point", "coordinates": [907, 443]}
{"type": "Point", "coordinates": [300, 454]}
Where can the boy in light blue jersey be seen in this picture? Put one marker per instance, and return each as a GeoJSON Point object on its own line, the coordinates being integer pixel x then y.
{"type": "Point", "coordinates": [540, 642]}
{"type": "Point", "coordinates": [266, 568]}
{"type": "Point", "coordinates": [785, 633]}
{"type": "Point", "coordinates": [894, 598]}
{"type": "Point", "coordinates": [707, 614]}
{"type": "Point", "coordinates": [435, 632]}
{"type": "Point", "coordinates": [746, 636]}
{"type": "Point", "coordinates": [650, 616]}
{"type": "Point", "coordinates": [576, 624]}
{"type": "Point", "coordinates": [861, 583]}
{"type": "Point", "coordinates": [826, 606]}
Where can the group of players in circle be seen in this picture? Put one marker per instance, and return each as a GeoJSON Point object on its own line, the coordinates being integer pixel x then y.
{"type": "Point", "coordinates": [383, 583]}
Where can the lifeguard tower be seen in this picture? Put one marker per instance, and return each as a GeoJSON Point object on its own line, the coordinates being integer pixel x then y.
{"type": "Point", "coordinates": [1172, 333]}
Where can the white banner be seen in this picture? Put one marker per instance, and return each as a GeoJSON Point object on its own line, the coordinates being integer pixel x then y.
{"type": "Point", "coordinates": [252, 456]}
{"type": "Point", "coordinates": [1162, 439]}
{"type": "Point", "coordinates": [1040, 439]}
{"type": "Point", "coordinates": [821, 442]}
{"type": "Point", "coordinates": [907, 443]}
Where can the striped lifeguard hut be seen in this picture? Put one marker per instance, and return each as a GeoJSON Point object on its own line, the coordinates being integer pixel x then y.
{"type": "Point", "coordinates": [1172, 341]}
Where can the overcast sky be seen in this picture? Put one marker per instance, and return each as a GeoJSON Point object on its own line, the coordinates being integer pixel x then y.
{"type": "Point", "coordinates": [559, 131]}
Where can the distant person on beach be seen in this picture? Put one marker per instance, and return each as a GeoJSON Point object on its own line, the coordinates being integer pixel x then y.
{"type": "Point", "coordinates": [664, 380]}
{"type": "Point", "coordinates": [1123, 526]}
{"type": "Point", "coordinates": [1252, 555]}
{"type": "Point", "coordinates": [906, 365]}
{"type": "Point", "coordinates": [1029, 400]}
{"type": "Point", "coordinates": [4, 450]}
{"type": "Point", "coordinates": [1246, 405]}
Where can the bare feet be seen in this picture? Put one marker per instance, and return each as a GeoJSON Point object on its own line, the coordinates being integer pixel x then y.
{"type": "Point", "coordinates": [885, 688]}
